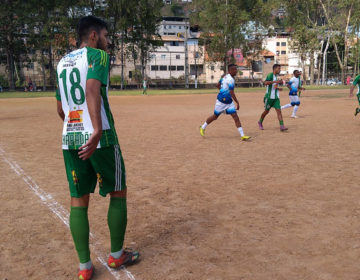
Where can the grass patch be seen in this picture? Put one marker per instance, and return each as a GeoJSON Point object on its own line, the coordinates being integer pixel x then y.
{"type": "Point", "coordinates": [17, 94]}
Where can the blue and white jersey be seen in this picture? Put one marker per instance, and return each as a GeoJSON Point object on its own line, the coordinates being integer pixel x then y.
{"type": "Point", "coordinates": [227, 84]}
{"type": "Point", "coordinates": [294, 84]}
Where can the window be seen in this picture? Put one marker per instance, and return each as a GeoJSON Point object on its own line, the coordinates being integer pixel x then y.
{"type": "Point", "coordinates": [172, 68]}
{"type": "Point", "coordinates": [164, 26]}
{"type": "Point", "coordinates": [278, 44]}
{"type": "Point", "coordinates": [283, 52]}
{"type": "Point", "coordinates": [154, 67]}
{"type": "Point", "coordinates": [180, 68]}
{"type": "Point", "coordinates": [174, 43]}
{"type": "Point", "coordinates": [169, 26]}
{"type": "Point", "coordinates": [277, 53]}
{"type": "Point", "coordinates": [180, 27]}
{"type": "Point", "coordinates": [163, 56]}
{"type": "Point", "coordinates": [283, 44]}
{"type": "Point", "coordinates": [163, 67]}
{"type": "Point", "coordinates": [130, 74]}
{"type": "Point", "coordinates": [212, 68]}
{"type": "Point", "coordinates": [178, 56]}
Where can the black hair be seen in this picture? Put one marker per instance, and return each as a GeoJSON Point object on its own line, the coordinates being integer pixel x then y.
{"type": "Point", "coordinates": [88, 24]}
{"type": "Point", "coordinates": [295, 71]}
{"type": "Point", "coordinates": [276, 66]}
{"type": "Point", "coordinates": [231, 65]}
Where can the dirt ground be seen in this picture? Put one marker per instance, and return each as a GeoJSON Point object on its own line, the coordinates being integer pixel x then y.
{"type": "Point", "coordinates": [282, 206]}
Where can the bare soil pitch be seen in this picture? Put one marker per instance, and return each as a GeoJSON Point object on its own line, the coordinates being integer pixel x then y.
{"type": "Point", "coordinates": [283, 206]}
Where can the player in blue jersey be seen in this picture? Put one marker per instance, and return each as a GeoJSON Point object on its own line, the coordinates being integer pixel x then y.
{"type": "Point", "coordinates": [294, 86]}
{"type": "Point", "coordinates": [225, 102]}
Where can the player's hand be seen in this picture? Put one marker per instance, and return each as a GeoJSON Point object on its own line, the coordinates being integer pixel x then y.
{"type": "Point", "coordinates": [351, 95]}
{"type": "Point", "coordinates": [279, 82]}
{"type": "Point", "coordinates": [237, 106]}
{"type": "Point", "coordinates": [89, 148]}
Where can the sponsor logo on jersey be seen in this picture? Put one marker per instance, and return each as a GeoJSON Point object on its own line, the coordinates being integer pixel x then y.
{"type": "Point", "coordinates": [75, 116]}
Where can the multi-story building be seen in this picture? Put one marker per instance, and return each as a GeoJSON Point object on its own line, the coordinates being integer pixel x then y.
{"type": "Point", "coordinates": [285, 54]}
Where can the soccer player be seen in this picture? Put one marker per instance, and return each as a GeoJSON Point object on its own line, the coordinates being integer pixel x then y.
{"type": "Point", "coordinates": [356, 83]}
{"type": "Point", "coordinates": [225, 102]}
{"type": "Point", "coordinates": [90, 145]}
{"type": "Point", "coordinates": [144, 86]}
{"type": "Point", "coordinates": [272, 98]}
{"type": "Point", "coordinates": [294, 86]}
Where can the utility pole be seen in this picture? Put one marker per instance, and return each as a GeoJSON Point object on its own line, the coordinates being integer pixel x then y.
{"type": "Point", "coordinates": [170, 64]}
{"type": "Point", "coordinates": [122, 60]}
{"type": "Point", "coordinates": [186, 55]}
{"type": "Point", "coordinates": [195, 56]}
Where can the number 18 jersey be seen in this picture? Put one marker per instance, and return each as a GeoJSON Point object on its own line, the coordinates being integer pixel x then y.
{"type": "Point", "coordinates": [73, 71]}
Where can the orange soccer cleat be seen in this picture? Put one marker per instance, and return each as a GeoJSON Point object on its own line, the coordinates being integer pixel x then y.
{"type": "Point", "coordinates": [86, 274]}
{"type": "Point", "coordinates": [127, 258]}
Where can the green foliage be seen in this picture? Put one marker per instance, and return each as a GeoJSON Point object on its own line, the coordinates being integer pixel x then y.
{"type": "Point", "coordinates": [116, 80]}
{"type": "Point", "coordinates": [177, 10]}
{"type": "Point", "coordinates": [230, 24]}
{"type": "Point", "coordinates": [3, 81]}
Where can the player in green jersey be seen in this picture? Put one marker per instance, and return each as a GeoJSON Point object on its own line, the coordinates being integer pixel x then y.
{"type": "Point", "coordinates": [90, 145]}
{"type": "Point", "coordinates": [356, 83]}
{"type": "Point", "coordinates": [272, 98]}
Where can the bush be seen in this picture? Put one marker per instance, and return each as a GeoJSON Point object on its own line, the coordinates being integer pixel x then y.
{"type": "Point", "coordinates": [20, 83]}
{"type": "Point", "coordinates": [4, 81]}
{"type": "Point", "coordinates": [116, 81]}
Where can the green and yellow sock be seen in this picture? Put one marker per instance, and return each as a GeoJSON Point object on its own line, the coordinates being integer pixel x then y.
{"type": "Point", "coordinates": [281, 122]}
{"type": "Point", "coordinates": [117, 220]}
{"type": "Point", "coordinates": [79, 227]}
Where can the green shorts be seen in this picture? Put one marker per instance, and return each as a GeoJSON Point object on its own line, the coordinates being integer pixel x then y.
{"type": "Point", "coordinates": [272, 103]}
{"type": "Point", "coordinates": [105, 166]}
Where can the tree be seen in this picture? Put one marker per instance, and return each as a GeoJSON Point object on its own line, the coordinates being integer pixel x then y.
{"type": "Point", "coordinates": [227, 25]}
{"type": "Point", "coordinates": [143, 37]}
{"type": "Point", "coordinates": [13, 20]}
{"type": "Point", "coordinates": [304, 17]}
{"type": "Point", "coordinates": [340, 16]}
{"type": "Point", "coordinates": [119, 14]}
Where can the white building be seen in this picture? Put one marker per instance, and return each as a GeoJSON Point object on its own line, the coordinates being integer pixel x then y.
{"type": "Point", "coordinates": [285, 55]}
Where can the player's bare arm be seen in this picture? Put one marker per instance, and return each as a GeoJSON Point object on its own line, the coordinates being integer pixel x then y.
{"type": "Point", "coordinates": [352, 91]}
{"type": "Point", "coordinates": [60, 110]}
{"type": "Point", "coordinates": [235, 99]}
{"type": "Point", "coordinates": [93, 99]}
{"type": "Point", "coordinates": [267, 83]}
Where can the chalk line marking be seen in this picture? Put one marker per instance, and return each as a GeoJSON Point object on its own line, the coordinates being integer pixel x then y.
{"type": "Point", "coordinates": [62, 214]}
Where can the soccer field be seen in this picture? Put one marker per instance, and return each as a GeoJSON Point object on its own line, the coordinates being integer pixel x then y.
{"type": "Point", "coordinates": [282, 206]}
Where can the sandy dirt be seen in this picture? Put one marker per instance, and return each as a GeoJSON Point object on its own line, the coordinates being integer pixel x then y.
{"type": "Point", "coordinates": [282, 206]}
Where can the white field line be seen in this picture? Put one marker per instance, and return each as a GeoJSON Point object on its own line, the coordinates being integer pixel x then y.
{"type": "Point", "coordinates": [63, 215]}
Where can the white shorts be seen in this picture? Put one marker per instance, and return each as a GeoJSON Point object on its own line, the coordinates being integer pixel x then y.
{"type": "Point", "coordinates": [222, 107]}
{"type": "Point", "coordinates": [294, 100]}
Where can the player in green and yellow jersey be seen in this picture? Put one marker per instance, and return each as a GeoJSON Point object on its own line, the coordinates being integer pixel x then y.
{"type": "Point", "coordinates": [90, 145]}
{"type": "Point", "coordinates": [272, 98]}
{"type": "Point", "coordinates": [356, 83]}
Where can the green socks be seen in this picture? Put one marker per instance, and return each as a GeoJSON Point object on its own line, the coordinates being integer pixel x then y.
{"type": "Point", "coordinates": [79, 227]}
{"type": "Point", "coordinates": [281, 122]}
{"type": "Point", "coordinates": [261, 120]}
{"type": "Point", "coordinates": [117, 220]}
